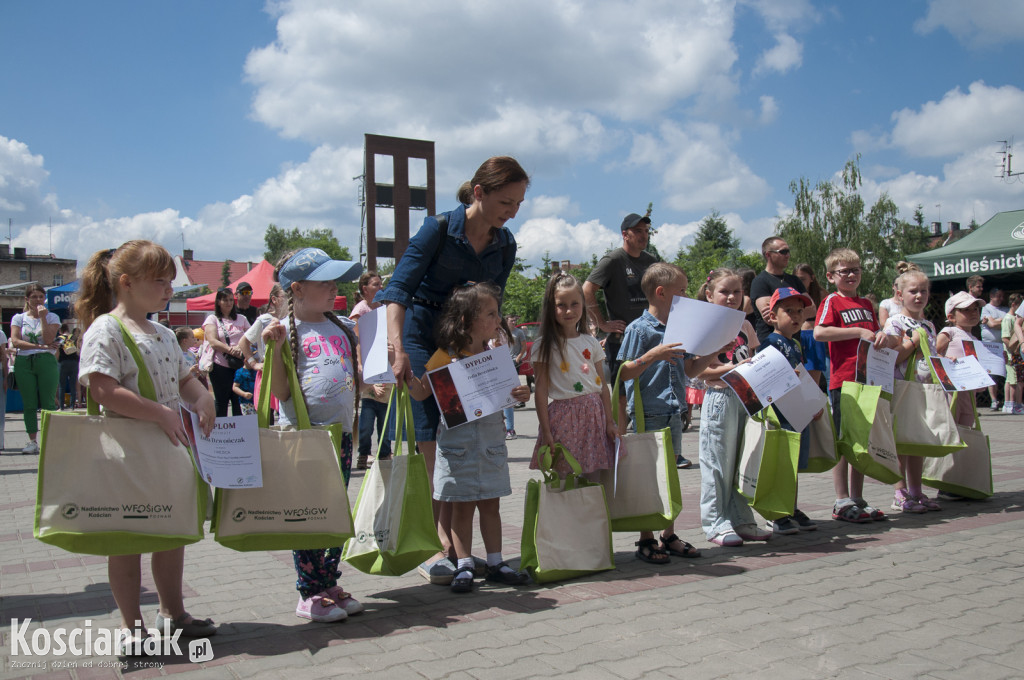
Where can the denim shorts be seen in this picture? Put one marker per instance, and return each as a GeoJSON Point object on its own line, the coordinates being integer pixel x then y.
{"type": "Point", "coordinates": [472, 461]}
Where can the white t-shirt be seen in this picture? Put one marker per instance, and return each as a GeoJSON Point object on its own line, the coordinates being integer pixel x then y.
{"type": "Point", "coordinates": [902, 325]}
{"type": "Point", "coordinates": [326, 365]}
{"type": "Point", "coordinates": [255, 335]}
{"type": "Point", "coordinates": [990, 311]}
{"type": "Point", "coordinates": [890, 305]}
{"type": "Point", "coordinates": [32, 331]}
{"type": "Point", "coordinates": [574, 373]}
{"type": "Point", "coordinates": [104, 351]}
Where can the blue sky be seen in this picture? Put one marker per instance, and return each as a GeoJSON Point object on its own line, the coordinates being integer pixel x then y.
{"type": "Point", "coordinates": [210, 120]}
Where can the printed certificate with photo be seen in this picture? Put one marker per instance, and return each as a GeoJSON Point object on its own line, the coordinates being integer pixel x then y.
{"type": "Point", "coordinates": [470, 388]}
{"type": "Point", "coordinates": [988, 354]}
{"type": "Point", "coordinates": [876, 366]}
{"type": "Point", "coordinates": [230, 457]}
{"type": "Point", "coordinates": [763, 380]}
{"type": "Point", "coordinates": [960, 375]}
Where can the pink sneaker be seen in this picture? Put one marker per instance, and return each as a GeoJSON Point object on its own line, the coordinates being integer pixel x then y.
{"type": "Point", "coordinates": [320, 608]}
{"type": "Point", "coordinates": [904, 502]}
{"type": "Point", "coordinates": [351, 605]}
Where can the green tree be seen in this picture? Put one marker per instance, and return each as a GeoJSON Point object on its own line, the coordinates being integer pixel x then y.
{"type": "Point", "coordinates": [829, 215]}
{"type": "Point", "coordinates": [524, 296]}
{"type": "Point", "coordinates": [225, 273]}
{"type": "Point", "coordinates": [279, 241]}
{"type": "Point", "coordinates": [713, 246]}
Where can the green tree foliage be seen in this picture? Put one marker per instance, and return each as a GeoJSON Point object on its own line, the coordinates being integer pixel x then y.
{"type": "Point", "coordinates": [714, 246]}
{"type": "Point", "coordinates": [279, 241]}
{"type": "Point", "coordinates": [225, 273]}
{"type": "Point", "coordinates": [524, 296]}
{"type": "Point", "coordinates": [829, 215]}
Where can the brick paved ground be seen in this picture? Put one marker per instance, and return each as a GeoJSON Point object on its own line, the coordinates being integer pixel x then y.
{"type": "Point", "coordinates": [926, 596]}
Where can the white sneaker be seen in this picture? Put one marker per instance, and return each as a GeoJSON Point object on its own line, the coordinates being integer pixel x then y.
{"type": "Point", "coordinates": [752, 532]}
{"type": "Point", "coordinates": [31, 449]}
{"type": "Point", "coordinates": [1009, 407]}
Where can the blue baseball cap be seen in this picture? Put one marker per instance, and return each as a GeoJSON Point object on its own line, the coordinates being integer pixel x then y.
{"type": "Point", "coordinates": [313, 264]}
{"type": "Point", "coordinates": [786, 293]}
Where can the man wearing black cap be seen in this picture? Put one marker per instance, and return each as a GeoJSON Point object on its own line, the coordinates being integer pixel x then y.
{"type": "Point", "coordinates": [618, 274]}
{"type": "Point", "coordinates": [243, 300]}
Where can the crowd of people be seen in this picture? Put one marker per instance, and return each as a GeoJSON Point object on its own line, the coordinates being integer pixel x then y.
{"type": "Point", "coordinates": [443, 302]}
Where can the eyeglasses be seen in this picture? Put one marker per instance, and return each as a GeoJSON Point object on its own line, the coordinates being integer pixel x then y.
{"type": "Point", "coordinates": [784, 251]}
{"type": "Point", "coordinates": [853, 271]}
{"type": "Point", "coordinates": [245, 293]}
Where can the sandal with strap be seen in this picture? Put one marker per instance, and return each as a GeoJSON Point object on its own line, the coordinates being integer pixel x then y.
{"type": "Point", "coordinates": [649, 552]}
{"type": "Point", "coordinates": [462, 585]}
{"type": "Point", "coordinates": [687, 551]}
{"type": "Point", "coordinates": [851, 512]}
{"type": "Point", "coordinates": [874, 513]}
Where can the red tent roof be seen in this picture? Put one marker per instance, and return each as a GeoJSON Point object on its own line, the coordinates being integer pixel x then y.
{"type": "Point", "coordinates": [261, 278]}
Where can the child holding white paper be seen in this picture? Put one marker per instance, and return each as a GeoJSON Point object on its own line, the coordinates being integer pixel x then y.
{"type": "Point", "coordinates": [911, 291]}
{"type": "Point", "coordinates": [373, 409]}
{"type": "Point", "coordinates": [786, 311]}
{"type": "Point", "coordinates": [130, 283]}
{"type": "Point", "coordinates": [963, 313]}
{"type": "Point", "coordinates": [654, 372]}
{"type": "Point", "coordinates": [725, 515]}
{"type": "Point", "coordinates": [471, 468]}
{"type": "Point", "coordinates": [323, 349]}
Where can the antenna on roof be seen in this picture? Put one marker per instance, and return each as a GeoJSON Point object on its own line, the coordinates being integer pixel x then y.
{"type": "Point", "coordinates": [1006, 172]}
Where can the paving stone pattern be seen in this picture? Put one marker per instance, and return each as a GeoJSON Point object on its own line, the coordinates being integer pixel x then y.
{"type": "Point", "coordinates": [929, 596]}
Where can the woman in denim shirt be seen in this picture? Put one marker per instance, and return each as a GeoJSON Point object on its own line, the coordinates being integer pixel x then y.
{"type": "Point", "coordinates": [473, 246]}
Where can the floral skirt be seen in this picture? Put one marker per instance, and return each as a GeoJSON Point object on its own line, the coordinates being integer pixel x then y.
{"type": "Point", "coordinates": [579, 425]}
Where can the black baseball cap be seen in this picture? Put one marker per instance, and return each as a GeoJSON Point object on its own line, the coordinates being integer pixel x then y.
{"type": "Point", "coordinates": [631, 220]}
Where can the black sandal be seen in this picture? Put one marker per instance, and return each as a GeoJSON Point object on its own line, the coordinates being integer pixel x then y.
{"type": "Point", "coordinates": [649, 552]}
{"type": "Point", "coordinates": [687, 551]}
{"type": "Point", "coordinates": [462, 585]}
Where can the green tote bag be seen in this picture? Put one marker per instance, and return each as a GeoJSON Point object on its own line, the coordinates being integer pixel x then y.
{"type": "Point", "coordinates": [866, 434]}
{"type": "Point", "coordinates": [766, 474]}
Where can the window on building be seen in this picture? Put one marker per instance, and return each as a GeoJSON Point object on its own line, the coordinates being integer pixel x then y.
{"type": "Point", "coordinates": [58, 279]}
{"type": "Point", "coordinates": [23, 273]}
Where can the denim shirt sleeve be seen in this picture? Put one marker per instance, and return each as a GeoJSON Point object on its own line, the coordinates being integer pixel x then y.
{"type": "Point", "coordinates": [420, 274]}
{"type": "Point", "coordinates": [412, 266]}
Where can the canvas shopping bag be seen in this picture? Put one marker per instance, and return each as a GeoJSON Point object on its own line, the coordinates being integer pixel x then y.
{"type": "Point", "coordinates": [823, 451]}
{"type": "Point", "coordinates": [566, 529]}
{"type": "Point", "coordinates": [103, 482]}
{"type": "Point", "coordinates": [766, 474]}
{"type": "Point", "coordinates": [646, 495]}
{"type": "Point", "coordinates": [303, 504]}
{"type": "Point", "coordinates": [394, 517]}
{"type": "Point", "coordinates": [923, 424]}
{"type": "Point", "coordinates": [866, 435]}
{"type": "Point", "coordinates": [967, 472]}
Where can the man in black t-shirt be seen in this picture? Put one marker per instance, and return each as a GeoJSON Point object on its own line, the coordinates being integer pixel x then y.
{"type": "Point", "coordinates": [243, 302]}
{"type": "Point", "coordinates": [619, 273]}
{"type": "Point", "coordinates": [774, 276]}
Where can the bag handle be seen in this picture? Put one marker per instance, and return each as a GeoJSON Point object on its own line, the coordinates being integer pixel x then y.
{"type": "Point", "coordinates": [263, 408]}
{"type": "Point", "coordinates": [402, 402]}
{"type": "Point", "coordinates": [638, 405]}
{"type": "Point", "coordinates": [974, 407]}
{"type": "Point", "coordinates": [146, 388]}
{"type": "Point", "coordinates": [925, 352]}
{"type": "Point", "coordinates": [547, 459]}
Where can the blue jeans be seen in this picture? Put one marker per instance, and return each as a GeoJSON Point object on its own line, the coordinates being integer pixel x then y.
{"type": "Point", "coordinates": [722, 507]}
{"type": "Point", "coordinates": [372, 412]}
{"type": "Point", "coordinates": [510, 418]}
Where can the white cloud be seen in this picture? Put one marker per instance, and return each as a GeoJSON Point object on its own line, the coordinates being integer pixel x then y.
{"type": "Point", "coordinates": [699, 169]}
{"type": "Point", "coordinates": [781, 15]}
{"type": "Point", "coordinates": [787, 54]}
{"type": "Point", "coordinates": [959, 122]}
{"type": "Point", "coordinates": [978, 23]}
{"type": "Point", "coordinates": [22, 183]}
{"type": "Point", "coordinates": [338, 69]}
{"type": "Point", "coordinates": [769, 110]}
{"type": "Point", "coordinates": [551, 206]}
{"type": "Point", "coordinates": [561, 240]}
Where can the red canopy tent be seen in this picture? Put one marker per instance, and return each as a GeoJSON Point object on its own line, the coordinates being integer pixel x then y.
{"type": "Point", "coordinates": [261, 278]}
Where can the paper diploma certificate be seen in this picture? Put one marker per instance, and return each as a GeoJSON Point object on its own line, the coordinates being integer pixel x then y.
{"type": "Point", "coordinates": [762, 380]}
{"type": "Point", "coordinates": [373, 346]}
{"type": "Point", "coordinates": [959, 375]}
{"type": "Point", "coordinates": [473, 387]}
{"type": "Point", "coordinates": [876, 366]}
{"type": "Point", "coordinates": [799, 406]}
{"type": "Point", "coordinates": [230, 457]}
{"type": "Point", "coordinates": [989, 355]}
{"type": "Point", "coordinates": [701, 327]}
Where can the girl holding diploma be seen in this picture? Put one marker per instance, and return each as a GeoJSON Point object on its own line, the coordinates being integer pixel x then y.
{"type": "Point", "coordinates": [911, 292]}
{"type": "Point", "coordinates": [471, 468]}
{"type": "Point", "coordinates": [138, 275]}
